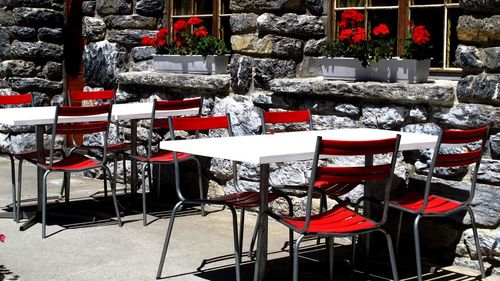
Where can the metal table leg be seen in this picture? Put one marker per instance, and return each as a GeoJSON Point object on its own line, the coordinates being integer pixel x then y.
{"type": "Point", "coordinates": [260, 263]}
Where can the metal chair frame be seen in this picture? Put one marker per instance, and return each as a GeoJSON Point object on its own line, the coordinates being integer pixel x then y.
{"type": "Point", "coordinates": [196, 124]}
{"type": "Point", "coordinates": [101, 95]}
{"type": "Point", "coordinates": [450, 137]}
{"type": "Point", "coordinates": [160, 123]}
{"type": "Point", "coordinates": [364, 174]}
{"type": "Point", "coordinates": [78, 128]}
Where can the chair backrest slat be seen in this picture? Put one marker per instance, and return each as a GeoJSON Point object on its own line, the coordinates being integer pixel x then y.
{"type": "Point", "coordinates": [16, 99]}
{"type": "Point", "coordinates": [82, 128]}
{"type": "Point", "coordinates": [458, 159]}
{"type": "Point", "coordinates": [463, 136]}
{"type": "Point", "coordinates": [341, 147]}
{"type": "Point", "coordinates": [78, 96]}
{"type": "Point", "coordinates": [200, 123]}
{"type": "Point", "coordinates": [285, 117]}
{"type": "Point", "coordinates": [178, 104]}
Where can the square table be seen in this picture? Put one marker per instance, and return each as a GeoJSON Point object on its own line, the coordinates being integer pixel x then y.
{"type": "Point", "coordinates": [42, 116]}
{"type": "Point", "coordinates": [283, 147]}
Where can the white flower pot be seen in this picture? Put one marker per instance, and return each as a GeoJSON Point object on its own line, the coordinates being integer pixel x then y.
{"type": "Point", "coordinates": [385, 70]}
{"type": "Point", "coordinates": [191, 64]}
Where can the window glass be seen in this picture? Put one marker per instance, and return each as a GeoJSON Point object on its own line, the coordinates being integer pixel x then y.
{"type": "Point", "coordinates": [182, 7]}
{"type": "Point", "coordinates": [382, 2]}
{"type": "Point", "coordinates": [225, 7]}
{"type": "Point", "coordinates": [204, 7]}
{"type": "Point", "coordinates": [433, 19]}
{"type": "Point", "coordinates": [350, 3]}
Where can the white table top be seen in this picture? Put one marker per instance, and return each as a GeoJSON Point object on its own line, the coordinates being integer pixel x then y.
{"type": "Point", "coordinates": [45, 115]}
{"type": "Point", "coordinates": [290, 146]}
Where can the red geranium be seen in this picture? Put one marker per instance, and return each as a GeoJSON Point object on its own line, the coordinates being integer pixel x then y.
{"type": "Point", "coordinates": [195, 21]}
{"type": "Point", "coordinates": [359, 35]}
{"type": "Point", "coordinates": [2, 238]}
{"type": "Point", "coordinates": [180, 25]}
{"type": "Point", "coordinates": [148, 41]}
{"type": "Point", "coordinates": [353, 15]}
{"type": "Point", "coordinates": [381, 30]}
{"type": "Point", "coordinates": [420, 35]}
{"type": "Point", "coordinates": [200, 32]}
{"type": "Point", "coordinates": [346, 34]}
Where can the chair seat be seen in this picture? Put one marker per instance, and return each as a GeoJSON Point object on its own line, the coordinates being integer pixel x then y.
{"type": "Point", "coordinates": [414, 200]}
{"type": "Point", "coordinates": [119, 147]}
{"type": "Point", "coordinates": [74, 162]}
{"type": "Point", "coordinates": [245, 199]}
{"type": "Point", "coordinates": [31, 155]}
{"type": "Point", "coordinates": [337, 220]}
{"type": "Point", "coordinates": [164, 156]}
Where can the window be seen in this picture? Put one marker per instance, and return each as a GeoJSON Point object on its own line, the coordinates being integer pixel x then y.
{"type": "Point", "coordinates": [439, 16]}
{"type": "Point", "coordinates": [214, 13]}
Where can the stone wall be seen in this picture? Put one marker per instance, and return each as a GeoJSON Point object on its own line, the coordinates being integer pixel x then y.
{"type": "Point", "coordinates": [31, 55]}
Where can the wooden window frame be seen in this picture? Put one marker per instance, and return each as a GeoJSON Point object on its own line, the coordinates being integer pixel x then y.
{"type": "Point", "coordinates": [404, 8]}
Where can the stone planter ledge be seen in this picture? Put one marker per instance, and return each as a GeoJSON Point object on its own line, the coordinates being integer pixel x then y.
{"type": "Point", "coordinates": [434, 93]}
{"type": "Point", "coordinates": [212, 83]}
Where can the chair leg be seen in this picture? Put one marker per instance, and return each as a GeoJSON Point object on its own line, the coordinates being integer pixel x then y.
{"type": "Point", "coordinates": [237, 253]}
{"type": "Point", "coordinates": [392, 257]}
{"type": "Point", "coordinates": [330, 245]}
{"type": "Point", "coordinates": [13, 181]}
{"type": "Point", "coordinates": [200, 185]}
{"type": "Point", "coordinates": [19, 184]}
{"type": "Point", "coordinates": [115, 170]}
{"type": "Point", "coordinates": [105, 184]}
{"type": "Point", "coordinates": [296, 258]}
{"type": "Point", "coordinates": [476, 240]}
{"type": "Point", "coordinates": [354, 239]}
{"type": "Point", "coordinates": [416, 237]}
{"type": "Point", "coordinates": [254, 238]}
{"type": "Point", "coordinates": [67, 186]}
{"type": "Point", "coordinates": [124, 164]}
{"type": "Point", "coordinates": [290, 232]}
{"type": "Point", "coordinates": [398, 237]}
{"type": "Point", "coordinates": [44, 203]}
{"type": "Point", "coordinates": [323, 206]}
{"type": "Point", "coordinates": [144, 217]}
{"type": "Point", "coordinates": [242, 230]}
{"type": "Point", "coordinates": [113, 194]}
{"type": "Point", "coordinates": [167, 238]}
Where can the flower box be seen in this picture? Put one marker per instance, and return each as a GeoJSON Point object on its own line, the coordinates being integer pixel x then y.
{"type": "Point", "coordinates": [194, 64]}
{"type": "Point", "coordinates": [385, 70]}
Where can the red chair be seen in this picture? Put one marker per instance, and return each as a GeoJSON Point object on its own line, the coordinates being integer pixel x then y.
{"type": "Point", "coordinates": [75, 162]}
{"type": "Point", "coordinates": [341, 221]}
{"type": "Point", "coordinates": [160, 156]}
{"type": "Point", "coordinates": [238, 200]}
{"type": "Point", "coordinates": [115, 149]}
{"type": "Point", "coordinates": [426, 204]}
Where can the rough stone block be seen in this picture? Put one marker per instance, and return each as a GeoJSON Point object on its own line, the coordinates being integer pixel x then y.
{"type": "Point", "coordinates": [23, 33]}
{"type": "Point", "coordinates": [466, 116]}
{"type": "Point", "coordinates": [6, 18]}
{"type": "Point", "coordinates": [495, 146]}
{"type": "Point", "coordinates": [4, 43]}
{"type": "Point", "coordinates": [20, 68]}
{"type": "Point", "coordinates": [269, 69]}
{"type": "Point", "coordinates": [53, 71]}
{"type": "Point", "coordinates": [291, 24]}
{"type": "Point", "coordinates": [114, 7]}
{"type": "Point", "coordinates": [130, 21]}
{"type": "Point", "coordinates": [330, 122]}
{"type": "Point", "coordinates": [88, 8]}
{"type": "Point", "coordinates": [34, 3]}
{"type": "Point", "coordinates": [206, 83]}
{"type": "Point", "coordinates": [244, 114]}
{"type": "Point", "coordinates": [244, 43]}
{"type": "Point", "coordinates": [489, 172]}
{"type": "Point", "coordinates": [93, 29]}
{"type": "Point", "coordinates": [129, 37]}
{"type": "Point", "coordinates": [35, 84]}
{"type": "Point", "coordinates": [313, 47]}
{"type": "Point", "coordinates": [267, 6]}
{"type": "Point", "coordinates": [482, 88]}
{"type": "Point", "coordinates": [143, 53]}
{"type": "Point", "coordinates": [103, 61]}
{"type": "Point", "coordinates": [315, 7]}
{"type": "Point", "coordinates": [269, 45]}
{"type": "Point", "coordinates": [484, 31]}
{"type": "Point", "coordinates": [149, 7]}
{"type": "Point", "coordinates": [38, 17]}
{"type": "Point", "coordinates": [476, 59]}
{"type": "Point", "coordinates": [388, 118]}
{"type": "Point", "coordinates": [240, 70]}
{"type": "Point", "coordinates": [486, 6]}
{"type": "Point", "coordinates": [243, 23]}
{"type": "Point", "coordinates": [36, 50]}
{"type": "Point", "coordinates": [51, 35]}
{"type": "Point", "coordinates": [439, 93]}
